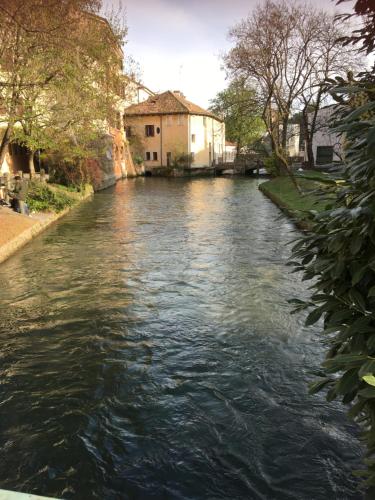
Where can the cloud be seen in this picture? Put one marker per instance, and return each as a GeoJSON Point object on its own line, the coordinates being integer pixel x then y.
{"type": "Point", "coordinates": [177, 42]}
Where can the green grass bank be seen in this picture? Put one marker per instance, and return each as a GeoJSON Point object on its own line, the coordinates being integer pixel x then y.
{"type": "Point", "coordinates": [317, 191]}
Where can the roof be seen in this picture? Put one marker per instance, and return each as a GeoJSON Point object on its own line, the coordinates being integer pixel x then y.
{"type": "Point", "coordinates": [139, 85]}
{"type": "Point", "coordinates": [167, 103]}
{"type": "Point", "coordinates": [228, 143]}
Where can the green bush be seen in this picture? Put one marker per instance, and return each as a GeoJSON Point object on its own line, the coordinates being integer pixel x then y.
{"type": "Point", "coordinates": [138, 160]}
{"type": "Point", "coordinates": [339, 258]}
{"type": "Point", "coordinates": [42, 198]}
{"type": "Point", "coordinates": [272, 165]}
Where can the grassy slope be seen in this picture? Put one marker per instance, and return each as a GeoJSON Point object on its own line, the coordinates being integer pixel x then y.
{"type": "Point", "coordinates": [315, 175]}
{"type": "Point", "coordinates": [283, 193]}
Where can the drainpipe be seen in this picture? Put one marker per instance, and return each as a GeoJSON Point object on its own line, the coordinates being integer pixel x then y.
{"type": "Point", "coordinates": [213, 141]}
{"type": "Point", "coordinates": [189, 139]}
{"type": "Point", "coordinates": [161, 140]}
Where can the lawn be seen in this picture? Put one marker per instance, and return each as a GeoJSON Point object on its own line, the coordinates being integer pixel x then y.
{"type": "Point", "coordinates": [316, 175]}
{"type": "Point", "coordinates": [316, 196]}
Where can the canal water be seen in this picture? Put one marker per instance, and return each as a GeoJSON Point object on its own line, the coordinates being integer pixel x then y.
{"type": "Point", "coordinates": [148, 352]}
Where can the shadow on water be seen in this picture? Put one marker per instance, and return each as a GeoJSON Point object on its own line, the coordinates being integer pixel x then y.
{"type": "Point", "coordinates": [148, 352]}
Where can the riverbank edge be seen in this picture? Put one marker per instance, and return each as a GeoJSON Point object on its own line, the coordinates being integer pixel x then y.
{"type": "Point", "coordinates": [26, 235]}
{"type": "Point", "coordinates": [14, 495]}
{"type": "Point", "coordinates": [301, 224]}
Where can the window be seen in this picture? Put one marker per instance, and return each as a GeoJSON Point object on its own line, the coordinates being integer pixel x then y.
{"type": "Point", "coordinates": [179, 119]}
{"type": "Point", "coordinates": [324, 154]}
{"type": "Point", "coordinates": [158, 130]}
{"type": "Point", "coordinates": [128, 131]}
{"type": "Point", "coordinates": [192, 157]}
{"type": "Point", "coordinates": [155, 156]}
{"type": "Point", "coordinates": [204, 121]}
{"type": "Point", "coordinates": [193, 138]}
{"type": "Point", "coordinates": [148, 156]}
{"type": "Point", "coordinates": [149, 130]}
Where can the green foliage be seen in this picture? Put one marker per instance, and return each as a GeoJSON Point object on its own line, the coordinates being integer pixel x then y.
{"type": "Point", "coordinates": [320, 176]}
{"type": "Point", "coordinates": [61, 79]}
{"type": "Point", "coordinates": [42, 198]}
{"type": "Point", "coordinates": [272, 165]}
{"type": "Point", "coordinates": [339, 256]}
{"type": "Point", "coordinates": [240, 109]}
{"type": "Point", "coordinates": [138, 159]}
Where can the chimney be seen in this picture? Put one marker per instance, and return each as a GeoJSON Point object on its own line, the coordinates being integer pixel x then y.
{"type": "Point", "coordinates": [179, 93]}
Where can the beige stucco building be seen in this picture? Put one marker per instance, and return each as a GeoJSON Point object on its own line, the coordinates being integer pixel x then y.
{"type": "Point", "coordinates": [167, 130]}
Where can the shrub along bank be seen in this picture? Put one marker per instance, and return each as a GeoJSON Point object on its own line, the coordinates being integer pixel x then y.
{"type": "Point", "coordinates": [44, 197]}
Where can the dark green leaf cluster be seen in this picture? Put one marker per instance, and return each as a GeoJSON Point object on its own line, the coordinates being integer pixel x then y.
{"type": "Point", "coordinates": [339, 256]}
{"type": "Point", "coordinates": [41, 198]}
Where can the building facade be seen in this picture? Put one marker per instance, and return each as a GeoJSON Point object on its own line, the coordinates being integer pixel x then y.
{"type": "Point", "coordinates": [327, 145]}
{"type": "Point", "coordinates": [169, 131]}
{"type": "Point", "coordinates": [230, 152]}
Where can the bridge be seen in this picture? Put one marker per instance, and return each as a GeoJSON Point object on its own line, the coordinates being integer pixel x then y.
{"type": "Point", "coordinates": [238, 167]}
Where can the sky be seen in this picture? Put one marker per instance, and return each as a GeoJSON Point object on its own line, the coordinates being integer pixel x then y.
{"type": "Point", "coordinates": [178, 43]}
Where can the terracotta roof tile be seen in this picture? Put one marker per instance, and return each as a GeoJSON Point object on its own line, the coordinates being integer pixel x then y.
{"type": "Point", "coordinates": [167, 103]}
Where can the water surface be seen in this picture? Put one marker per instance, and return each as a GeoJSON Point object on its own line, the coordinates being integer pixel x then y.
{"type": "Point", "coordinates": [147, 352]}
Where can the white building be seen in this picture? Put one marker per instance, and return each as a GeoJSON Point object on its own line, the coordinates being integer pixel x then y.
{"type": "Point", "coordinates": [230, 152]}
{"type": "Point", "coordinates": [327, 146]}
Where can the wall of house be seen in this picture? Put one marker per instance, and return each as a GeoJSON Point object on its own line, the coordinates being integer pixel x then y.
{"type": "Point", "coordinates": [16, 159]}
{"type": "Point", "coordinates": [173, 134]}
{"type": "Point", "coordinates": [324, 136]}
{"type": "Point", "coordinates": [218, 130]}
{"type": "Point", "coordinates": [7, 165]}
{"type": "Point", "coordinates": [209, 140]}
{"type": "Point", "coordinates": [293, 138]}
{"type": "Point", "coordinates": [230, 154]}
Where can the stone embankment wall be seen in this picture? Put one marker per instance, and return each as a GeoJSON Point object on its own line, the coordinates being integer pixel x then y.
{"type": "Point", "coordinates": [116, 161]}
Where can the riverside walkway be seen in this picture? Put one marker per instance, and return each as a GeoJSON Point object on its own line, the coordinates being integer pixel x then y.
{"type": "Point", "coordinates": [16, 230]}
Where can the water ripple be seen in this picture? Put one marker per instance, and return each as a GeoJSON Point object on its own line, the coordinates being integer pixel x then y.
{"type": "Point", "coordinates": [148, 352]}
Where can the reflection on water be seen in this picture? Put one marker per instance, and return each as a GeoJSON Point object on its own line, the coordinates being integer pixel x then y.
{"type": "Point", "coordinates": [148, 352]}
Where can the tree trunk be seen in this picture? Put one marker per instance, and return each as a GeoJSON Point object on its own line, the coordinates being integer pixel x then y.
{"type": "Point", "coordinates": [5, 142]}
{"type": "Point", "coordinates": [31, 163]}
{"type": "Point", "coordinates": [284, 135]}
{"type": "Point", "coordinates": [308, 137]}
{"type": "Point", "coordinates": [310, 152]}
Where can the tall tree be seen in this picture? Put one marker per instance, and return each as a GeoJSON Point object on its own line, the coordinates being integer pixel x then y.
{"type": "Point", "coordinates": [239, 107]}
{"type": "Point", "coordinates": [32, 33]}
{"type": "Point", "coordinates": [76, 106]}
{"type": "Point", "coordinates": [282, 50]}
{"type": "Point", "coordinates": [61, 73]}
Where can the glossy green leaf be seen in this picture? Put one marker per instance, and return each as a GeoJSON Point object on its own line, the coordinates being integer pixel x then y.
{"type": "Point", "coordinates": [369, 379]}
